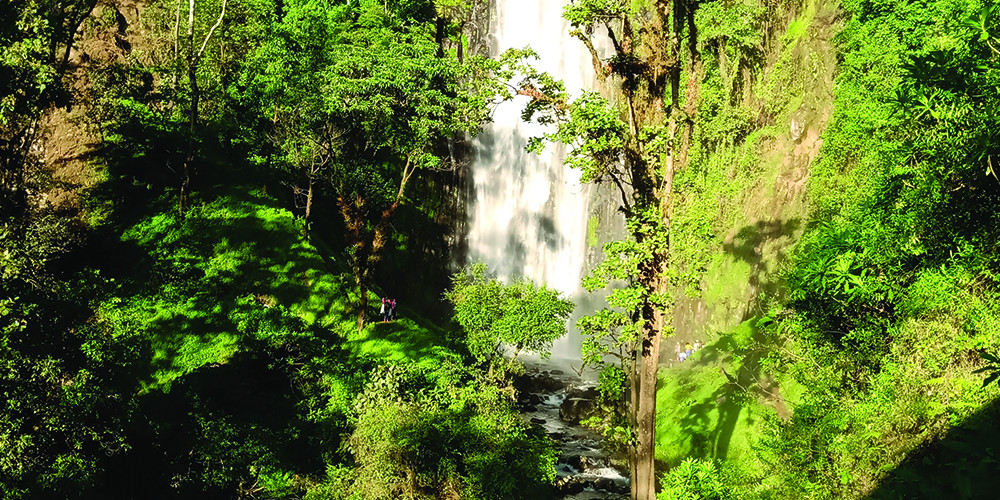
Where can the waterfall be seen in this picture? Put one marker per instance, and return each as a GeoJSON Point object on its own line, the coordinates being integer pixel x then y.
{"type": "Point", "coordinates": [528, 213]}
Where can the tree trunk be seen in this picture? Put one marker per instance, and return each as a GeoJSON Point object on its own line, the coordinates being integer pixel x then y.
{"type": "Point", "coordinates": [649, 358]}
{"type": "Point", "coordinates": [353, 215]}
{"type": "Point", "coordinates": [633, 407]}
{"type": "Point", "coordinates": [175, 77]}
{"type": "Point", "coordinates": [439, 36]}
{"type": "Point", "coordinates": [309, 203]}
{"type": "Point", "coordinates": [644, 481]}
{"type": "Point", "coordinates": [13, 197]}
{"type": "Point", "coordinates": [193, 59]}
{"type": "Point", "coordinates": [362, 304]}
{"type": "Point", "coordinates": [192, 62]}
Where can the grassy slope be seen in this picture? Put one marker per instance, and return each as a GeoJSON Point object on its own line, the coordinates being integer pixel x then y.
{"type": "Point", "coordinates": [203, 275]}
{"type": "Point", "coordinates": [754, 195]}
{"type": "Point", "coordinates": [920, 428]}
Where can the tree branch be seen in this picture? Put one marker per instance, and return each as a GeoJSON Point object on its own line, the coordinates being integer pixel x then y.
{"type": "Point", "coordinates": [212, 30]}
{"type": "Point", "coordinates": [599, 67]}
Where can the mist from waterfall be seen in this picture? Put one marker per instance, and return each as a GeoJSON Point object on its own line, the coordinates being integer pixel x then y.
{"type": "Point", "coordinates": [529, 213]}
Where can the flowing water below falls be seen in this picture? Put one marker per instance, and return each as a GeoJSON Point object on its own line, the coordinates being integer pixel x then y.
{"type": "Point", "coordinates": [529, 216]}
{"type": "Point", "coordinates": [556, 401]}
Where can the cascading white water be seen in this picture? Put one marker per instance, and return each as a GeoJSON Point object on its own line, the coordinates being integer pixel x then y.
{"type": "Point", "coordinates": [528, 212]}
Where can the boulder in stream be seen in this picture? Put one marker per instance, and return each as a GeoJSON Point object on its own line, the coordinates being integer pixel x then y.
{"type": "Point", "coordinates": [611, 486]}
{"type": "Point", "coordinates": [584, 462]}
{"type": "Point", "coordinates": [570, 485]}
{"type": "Point", "coordinates": [535, 382]}
{"type": "Point", "coordinates": [578, 405]}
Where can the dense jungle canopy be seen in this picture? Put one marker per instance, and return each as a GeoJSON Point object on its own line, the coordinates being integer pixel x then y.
{"type": "Point", "coordinates": [202, 203]}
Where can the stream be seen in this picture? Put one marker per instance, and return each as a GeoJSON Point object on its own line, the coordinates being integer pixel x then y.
{"type": "Point", "coordinates": [554, 400]}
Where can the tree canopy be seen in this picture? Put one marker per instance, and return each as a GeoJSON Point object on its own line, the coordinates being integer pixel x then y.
{"type": "Point", "coordinates": [522, 315]}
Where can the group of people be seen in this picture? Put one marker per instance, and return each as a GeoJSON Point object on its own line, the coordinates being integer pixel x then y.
{"type": "Point", "coordinates": [689, 349]}
{"type": "Point", "coordinates": [388, 310]}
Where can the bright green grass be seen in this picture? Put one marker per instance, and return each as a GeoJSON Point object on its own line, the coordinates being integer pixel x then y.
{"type": "Point", "coordinates": [702, 414]}
{"type": "Point", "coordinates": [209, 272]}
{"type": "Point", "coordinates": [400, 340]}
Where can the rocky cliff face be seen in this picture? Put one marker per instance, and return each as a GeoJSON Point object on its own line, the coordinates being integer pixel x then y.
{"type": "Point", "coordinates": [791, 92]}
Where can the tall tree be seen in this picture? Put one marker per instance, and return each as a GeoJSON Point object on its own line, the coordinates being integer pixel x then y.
{"type": "Point", "coordinates": [380, 101]}
{"type": "Point", "coordinates": [195, 53]}
{"type": "Point", "coordinates": [638, 149]}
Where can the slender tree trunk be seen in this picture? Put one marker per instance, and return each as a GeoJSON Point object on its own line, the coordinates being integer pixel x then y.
{"type": "Point", "coordinates": [177, 50]}
{"type": "Point", "coordinates": [692, 98]}
{"type": "Point", "coordinates": [439, 36]}
{"type": "Point", "coordinates": [633, 408]}
{"type": "Point", "coordinates": [362, 304]}
{"type": "Point", "coordinates": [193, 59]}
{"type": "Point", "coordinates": [309, 201]}
{"type": "Point", "coordinates": [192, 63]}
{"type": "Point", "coordinates": [69, 35]}
{"type": "Point", "coordinates": [15, 155]}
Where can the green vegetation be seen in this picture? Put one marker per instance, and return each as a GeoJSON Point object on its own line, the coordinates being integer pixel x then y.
{"type": "Point", "coordinates": [862, 375]}
{"type": "Point", "coordinates": [200, 201]}
{"type": "Point", "coordinates": [195, 324]}
{"type": "Point", "coordinates": [522, 315]}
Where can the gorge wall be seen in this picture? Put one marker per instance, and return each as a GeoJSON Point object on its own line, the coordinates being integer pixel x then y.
{"type": "Point", "coordinates": [759, 206]}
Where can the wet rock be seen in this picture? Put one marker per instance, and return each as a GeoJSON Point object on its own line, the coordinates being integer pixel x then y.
{"type": "Point", "coordinates": [539, 421]}
{"type": "Point", "coordinates": [570, 485]}
{"type": "Point", "coordinates": [535, 399]}
{"type": "Point", "coordinates": [582, 392]}
{"type": "Point", "coordinates": [578, 405]}
{"type": "Point", "coordinates": [578, 462]}
{"type": "Point", "coordinates": [598, 462]}
{"type": "Point", "coordinates": [604, 484]}
{"type": "Point", "coordinates": [594, 462]}
{"type": "Point", "coordinates": [529, 409]}
{"type": "Point", "coordinates": [535, 382]}
{"type": "Point", "coordinates": [549, 384]}
{"type": "Point", "coordinates": [557, 436]}
{"type": "Point", "coordinates": [584, 463]}
{"type": "Point", "coordinates": [557, 372]}
{"type": "Point", "coordinates": [610, 485]}
{"type": "Point", "coordinates": [573, 410]}
{"type": "Point", "coordinates": [571, 461]}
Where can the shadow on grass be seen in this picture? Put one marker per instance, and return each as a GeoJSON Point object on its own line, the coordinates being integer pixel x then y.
{"type": "Point", "coordinates": [712, 391]}
{"type": "Point", "coordinates": [963, 464]}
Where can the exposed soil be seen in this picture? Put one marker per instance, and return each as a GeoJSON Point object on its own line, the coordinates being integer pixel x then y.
{"type": "Point", "coordinates": [67, 145]}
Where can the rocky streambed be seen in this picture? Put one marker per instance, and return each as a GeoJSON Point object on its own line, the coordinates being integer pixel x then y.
{"type": "Point", "coordinates": [556, 401]}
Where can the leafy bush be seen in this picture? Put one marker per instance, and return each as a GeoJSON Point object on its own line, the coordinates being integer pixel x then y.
{"type": "Point", "coordinates": [428, 434]}
{"type": "Point", "coordinates": [694, 480]}
{"type": "Point", "coordinates": [522, 315]}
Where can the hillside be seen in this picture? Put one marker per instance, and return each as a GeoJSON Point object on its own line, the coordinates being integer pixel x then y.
{"type": "Point", "coordinates": [203, 204]}
{"type": "Point", "coordinates": [844, 302]}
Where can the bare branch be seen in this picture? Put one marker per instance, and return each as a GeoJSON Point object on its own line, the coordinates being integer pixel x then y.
{"type": "Point", "coordinates": [212, 30]}
{"type": "Point", "coordinates": [600, 68]}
